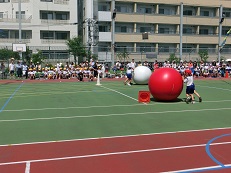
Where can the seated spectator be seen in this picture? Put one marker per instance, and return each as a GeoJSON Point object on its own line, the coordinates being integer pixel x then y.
{"type": "Point", "coordinates": [31, 74]}
{"type": "Point", "coordinates": [206, 70]}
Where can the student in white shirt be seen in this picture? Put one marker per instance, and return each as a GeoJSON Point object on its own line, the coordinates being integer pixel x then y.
{"type": "Point", "coordinates": [129, 76]}
{"type": "Point", "coordinates": [190, 89]}
{"type": "Point", "coordinates": [11, 69]}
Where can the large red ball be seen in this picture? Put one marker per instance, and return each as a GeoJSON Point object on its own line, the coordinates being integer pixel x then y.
{"type": "Point", "coordinates": [165, 84]}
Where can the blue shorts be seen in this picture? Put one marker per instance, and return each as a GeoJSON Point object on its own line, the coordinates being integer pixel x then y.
{"type": "Point", "coordinates": [190, 89]}
{"type": "Point", "coordinates": [129, 75]}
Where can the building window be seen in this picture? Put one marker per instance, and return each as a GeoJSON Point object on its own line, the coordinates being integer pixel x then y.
{"type": "Point", "coordinates": [55, 35]}
{"type": "Point", "coordinates": [47, 15]}
{"type": "Point", "coordinates": [188, 12]}
{"type": "Point", "coordinates": [121, 48]}
{"type": "Point", "coordinates": [3, 1]}
{"type": "Point", "coordinates": [204, 31]}
{"type": "Point", "coordinates": [187, 31]}
{"type": "Point", "coordinates": [163, 49]}
{"type": "Point", "coordinates": [1, 15]}
{"type": "Point", "coordinates": [204, 13]}
{"type": "Point", "coordinates": [145, 49]}
{"type": "Point", "coordinates": [59, 35]}
{"type": "Point", "coordinates": [122, 9]}
{"type": "Point", "coordinates": [227, 13]}
{"type": "Point", "coordinates": [164, 31]}
{"type": "Point", "coordinates": [145, 10]}
{"type": "Point", "coordinates": [61, 16]}
{"type": "Point", "coordinates": [22, 15]}
{"type": "Point", "coordinates": [161, 11]}
{"type": "Point", "coordinates": [121, 29]}
{"type": "Point", "coordinates": [3, 34]}
{"type": "Point", "coordinates": [46, 0]}
{"type": "Point", "coordinates": [103, 29]}
{"type": "Point", "coordinates": [103, 8]}
{"type": "Point", "coordinates": [148, 10]}
{"type": "Point", "coordinates": [167, 10]}
{"type": "Point", "coordinates": [224, 31]}
{"type": "Point", "coordinates": [145, 29]}
{"type": "Point", "coordinates": [47, 35]}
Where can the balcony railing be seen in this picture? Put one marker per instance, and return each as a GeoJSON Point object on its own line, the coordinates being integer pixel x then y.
{"type": "Point", "coordinates": [45, 21]}
{"type": "Point", "coordinates": [13, 40]}
{"type": "Point", "coordinates": [12, 19]}
{"type": "Point", "coordinates": [64, 2]}
{"type": "Point", "coordinates": [52, 41]}
{"type": "Point", "coordinates": [22, 1]}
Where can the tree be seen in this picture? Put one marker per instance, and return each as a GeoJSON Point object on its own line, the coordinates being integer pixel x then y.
{"type": "Point", "coordinates": [122, 56]}
{"type": "Point", "coordinates": [37, 58]}
{"type": "Point", "coordinates": [173, 57]}
{"type": "Point", "coordinates": [76, 48]}
{"type": "Point", "coordinates": [6, 54]}
{"type": "Point", "coordinates": [203, 55]}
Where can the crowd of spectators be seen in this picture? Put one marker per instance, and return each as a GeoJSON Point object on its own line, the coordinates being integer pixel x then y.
{"type": "Point", "coordinates": [86, 70]}
{"type": "Point", "coordinates": [199, 69]}
{"type": "Point", "coordinates": [90, 70]}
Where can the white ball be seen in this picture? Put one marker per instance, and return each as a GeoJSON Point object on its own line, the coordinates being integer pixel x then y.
{"type": "Point", "coordinates": [141, 75]}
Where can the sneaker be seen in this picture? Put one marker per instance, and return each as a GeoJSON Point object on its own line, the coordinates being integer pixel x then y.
{"type": "Point", "coordinates": [128, 84]}
{"type": "Point", "coordinates": [200, 99]}
{"type": "Point", "coordinates": [188, 100]}
{"type": "Point", "coordinates": [124, 83]}
{"type": "Point", "coordinates": [193, 102]}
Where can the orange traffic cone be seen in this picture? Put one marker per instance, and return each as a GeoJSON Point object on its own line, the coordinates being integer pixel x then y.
{"type": "Point", "coordinates": [226, 74]}
{"type": "Point", "coordinates": [144, 97]}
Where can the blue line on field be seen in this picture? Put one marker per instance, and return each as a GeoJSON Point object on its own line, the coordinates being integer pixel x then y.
{"type": "Point", "coordinates": [208, 149]}
{"type": "Point", "coordinates": [8, 100]}
{"type": "Point", "coordinates": [206, 169]}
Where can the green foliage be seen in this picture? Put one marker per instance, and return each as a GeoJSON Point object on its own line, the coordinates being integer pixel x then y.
{"type": "Point", "coordinates": [203, 55]}
{"type": "Point", "coordinates": [122, 56]}
{"type": "Point", "coordinates": [76, 48]}
{"type": "Point", "coordinates": [37, 58]}
{"type": "Point", "coordinates": [172, 57]}
{"type": "Point", "coordinates": [6, 54]}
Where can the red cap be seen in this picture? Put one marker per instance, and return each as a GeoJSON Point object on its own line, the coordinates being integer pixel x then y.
{"type": "Point", "coordinates": [188, 71]}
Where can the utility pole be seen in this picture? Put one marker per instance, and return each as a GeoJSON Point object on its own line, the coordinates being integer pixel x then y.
{"type": "Point", "coordinates": [221, 19]}
{"type": "Point", "coordinates": [20, 25]}
{"type": "Point", "coordinates": [92, 33]}
{"type": "Point", "coordinates": [113, 32]}
{"type": "Point", "coordinates": [181, 28]}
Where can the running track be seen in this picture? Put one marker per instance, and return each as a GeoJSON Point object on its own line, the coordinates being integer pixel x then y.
{"type": "Point", "coordinates": [189, 151]}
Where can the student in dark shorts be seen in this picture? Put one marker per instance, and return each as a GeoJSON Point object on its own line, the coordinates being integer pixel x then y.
{"type": "Point", "coordinates": [129, 77]}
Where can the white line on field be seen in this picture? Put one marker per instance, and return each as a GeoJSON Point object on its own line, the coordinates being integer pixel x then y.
{"type": "Point", "coordinates": [215, 88]}
{"type": "Point", "coordinates": [125, 136]}
{"type": "Point", "coordinates": [108, 115]}
{"type": "Point", "coordinates": [27, 170]}
{"type": "Point", "coordinates": [105, 106]}
{"type": "Point", "coordinates": [119, 93]}
{"type": "Point", "coordinates": [78, 107]}
{"type": "Point", "coordinates": [112, 153]}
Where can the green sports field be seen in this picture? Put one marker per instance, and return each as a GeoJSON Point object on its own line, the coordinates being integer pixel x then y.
{"type": "Point", "coordinates": [46, 111]}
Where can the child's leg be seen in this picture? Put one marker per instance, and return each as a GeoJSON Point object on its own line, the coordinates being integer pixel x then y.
{"type": "Point", "coordinates": [129, 82]}
{"type": "Point", "coordinates": [198, 95]}
{"type": "Point", "coordinates": [193, 99]}
{"type": "Point", "coordinates": [126, 80]}
{"type": "Point", "coordinates": [188, 98]}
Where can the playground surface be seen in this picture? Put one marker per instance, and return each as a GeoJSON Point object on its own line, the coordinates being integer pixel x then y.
{"type": "Point", "coordinates": [69, 126]}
